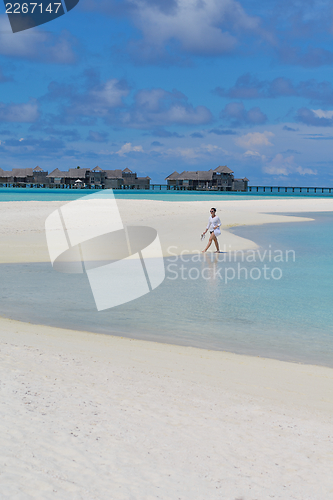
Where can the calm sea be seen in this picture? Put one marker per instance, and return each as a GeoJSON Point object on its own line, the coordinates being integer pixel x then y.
{"type": "Point", "coordinates": [275, 303]}
{"type": "Point", "coordinates": [41, 194]}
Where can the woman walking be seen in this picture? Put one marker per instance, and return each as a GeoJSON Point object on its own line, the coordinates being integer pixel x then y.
{"type": "Point", "coordinates": [213, 226]}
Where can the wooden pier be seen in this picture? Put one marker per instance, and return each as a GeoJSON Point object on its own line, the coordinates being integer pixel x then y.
{"type": "Point", "coordinates": [290, 189]}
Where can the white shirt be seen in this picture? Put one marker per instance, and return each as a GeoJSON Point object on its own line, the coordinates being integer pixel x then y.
{"type": "Point", "coordinates": [213, 222]}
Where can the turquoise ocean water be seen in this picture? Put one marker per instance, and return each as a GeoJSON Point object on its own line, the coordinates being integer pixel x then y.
{"type": "Point", "coordinates": [276, 303]}
{"type": "Point", "coordinates": [41, 194]}
{"type": "Point", "coordinates": [279, 309]}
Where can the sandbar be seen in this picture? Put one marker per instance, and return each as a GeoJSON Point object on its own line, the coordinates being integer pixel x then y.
{"type": "Point", "coordinates": [179, 224]}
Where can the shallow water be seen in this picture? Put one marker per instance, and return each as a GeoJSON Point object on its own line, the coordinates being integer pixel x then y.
{"type": "Point", "coordinates": [282, 311]}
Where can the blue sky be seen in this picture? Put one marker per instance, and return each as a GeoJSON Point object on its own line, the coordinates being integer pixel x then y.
{"type": "Point", "coordinates": [164, 85]}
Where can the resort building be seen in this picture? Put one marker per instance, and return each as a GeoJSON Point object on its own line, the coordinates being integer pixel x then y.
{"type": "Point", "coordinates": [220, 179]}
{"type": "Point", "coordinates": [125, 179]}
{"type": "Point", "coordinates": [76, 177]}
{"type": "Point", "coordinates": [39, 175]}
{"type": "Point", "coordinates": [5, 176]}
{"type": "Point", "coordinates": [56, 177]}
{"type": "Point", "coordinates": [23, 176]}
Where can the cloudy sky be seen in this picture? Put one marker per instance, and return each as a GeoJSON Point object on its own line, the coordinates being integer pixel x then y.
{"type": "Point", "coordinates": [164, 85]}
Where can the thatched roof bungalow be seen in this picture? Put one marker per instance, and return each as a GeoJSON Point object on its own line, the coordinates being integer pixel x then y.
{"type": "Point", "coordinates": [91, 177]}
{"type": "Point", "coordinates": [221, 178]}
{"type": "Point", "coordinates": [23, 175]}
{"type": "Point", "coordinates": [5, 176]}
{"type": "Point", "coordinates": [57, 177]}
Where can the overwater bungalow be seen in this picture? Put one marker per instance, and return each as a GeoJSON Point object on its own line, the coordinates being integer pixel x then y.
{"type": "Point", "coordinates": [220, 179]}
{"type": "Point", "coordinates": [96, 177]}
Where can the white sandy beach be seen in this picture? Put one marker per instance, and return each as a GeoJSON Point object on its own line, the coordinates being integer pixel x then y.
{"type": "Point", "coordinates": [179, 224]}
{"type": "Point", "coordinates": [87, 416]}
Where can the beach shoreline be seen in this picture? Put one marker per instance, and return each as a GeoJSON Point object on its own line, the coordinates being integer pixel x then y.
{"type": "Point", "coordinates": [158, 420]}
{"type": "Point", "coordinates": [93, 416]}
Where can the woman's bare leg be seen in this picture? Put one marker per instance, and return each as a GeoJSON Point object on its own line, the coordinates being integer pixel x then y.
{"type": "Point", "coordinates": [216, 243]}
{"type": "Point", "coordinates": [209, 243]}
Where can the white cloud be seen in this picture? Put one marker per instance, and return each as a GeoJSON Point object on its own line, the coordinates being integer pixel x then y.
{"type": "Point", "coordinates": [158, 108]}
{"type": "Point", "coordinates": [306, 171]}
{"type": "Point", "coordinates": [189, 153]}
{"type": "Point", "coordinates": [128, 148]}
{"type": "Point", "coordinates": [199, 26]}
{"type": "Point", "coordinates": [110, 94]}
{"type": "Point", "coordinates": [36, 45]}
{"type": "Point", "coordinates": [210, 148]}
{"type": "Point", "coordinates": [202, 151]}
{"type": "Point", "coordinates": [251, 153]}
{"type": "Point", "coordinates": [280, 165]}
{"type": "Point", "coordinates": [254, 139]}
{"type": "Point", "coordinates": [322, 113]}
{"type": "Point", "coordinates": [100, 100]}
{"type": "Point", "coordinates": [238, 116]}
{"type": "Point", "coordinates": [24, 113]}
{"type": "Point", "coordinates": [151, 109]}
